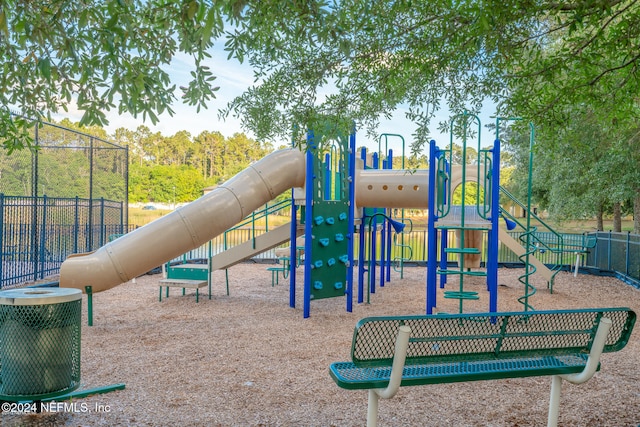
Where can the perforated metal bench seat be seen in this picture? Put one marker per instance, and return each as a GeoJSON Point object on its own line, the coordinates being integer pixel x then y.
{"type": "Point", "coordinates": [390, 352]}
{"type": "Point", "coordinates": [349, 376]}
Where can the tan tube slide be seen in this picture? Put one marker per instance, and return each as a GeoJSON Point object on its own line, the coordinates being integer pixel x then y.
{"type": "Point", "coordinates": [186, 228]}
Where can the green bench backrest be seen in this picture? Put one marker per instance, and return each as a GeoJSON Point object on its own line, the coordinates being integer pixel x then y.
{"type": "Point", "coordinates": [456, 337]}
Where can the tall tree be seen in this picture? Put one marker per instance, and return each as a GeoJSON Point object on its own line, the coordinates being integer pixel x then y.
{"type": "Point", "coordinates": [352, 59]}
{"type": "Point", "coordinates": [210, 145]}
{"type": "Point", "coordinates": [359, 60]}
{"type": "Point", "coordinates": [582, 168]}
{"type": "Point", "coordinates": [349, 60]}
{"type": "Point", "coordinates": [105, 55]}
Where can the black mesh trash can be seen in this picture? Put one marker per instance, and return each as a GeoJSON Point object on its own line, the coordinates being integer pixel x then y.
{"type": "Point", "coordinates": [39, 342]}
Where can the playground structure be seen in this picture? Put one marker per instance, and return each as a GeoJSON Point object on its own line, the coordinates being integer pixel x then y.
{"type": "Point", "coordinates": [326, 198]}
{"type": "Point", "coordinates": [337, 200]}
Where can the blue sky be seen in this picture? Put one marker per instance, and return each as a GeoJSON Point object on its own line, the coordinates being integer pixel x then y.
{"type": "Point", "coordinates": [233, 78]}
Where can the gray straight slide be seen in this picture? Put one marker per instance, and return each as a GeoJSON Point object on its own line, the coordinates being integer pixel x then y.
{"type": "Point", "coordinates": [186, 228]}
{"type": "Point", "coordinates": [253, 247]}
{"type": "Point", "coordinates": [541, 269]}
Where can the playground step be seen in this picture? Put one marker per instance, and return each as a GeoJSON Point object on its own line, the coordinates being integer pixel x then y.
{"type": "Point", "coordinates": [184, 284]}
{"type": "Point", "coordinates": [472, 218]}
{"type": "Point", "coordinates": [472, 251]}
{"type": "Point", "coordinates": [461, 295]}
{"type": "Point", "coordinates": [464, 227]}
{"type": "Point", "coordinates": [463, 273]}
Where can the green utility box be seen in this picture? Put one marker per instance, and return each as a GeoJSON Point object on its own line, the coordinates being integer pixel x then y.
{"type": "Point", "coordinates": [39, 342]}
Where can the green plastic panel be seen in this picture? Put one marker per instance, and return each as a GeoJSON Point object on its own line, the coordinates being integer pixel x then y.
{"type": "Point", "coordinates": [188, 272]}
{"type": "Point", "coordinates": [330, 217]}
{"type": "Point", "coordinates": [330, 249]}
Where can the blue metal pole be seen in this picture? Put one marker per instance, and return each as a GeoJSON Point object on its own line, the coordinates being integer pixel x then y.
{"type": "Point", "coordinates": [444, 241]}
{"type": "Point", "coordinates": [432, 238]}
{"type": "Point", "coordinates": [310, 178]}
{"type": "Point", "coordinates": [373, 225]}
{"type": "Point", "coordinates": [327, 176]}
{"type": "Point", "coordinates": [362, 250]}
{"type": "Point", "coordinates": [389, 236]}
{"type": "Point", "coordinates": [492, 256]}
{"type": "Point", "coordinates": [293, 252]}
{"type": "Point", "coordinates": [383, 233]}
{"type": "Point", "coordinates": [383, 248]}
{"type": "Point", "coordinates": [373, 232]}
{"type": "Point", "coordinates": [361, 261]}
{"type": "Point", "coordinates": [293, 249]}
{"type": "Point", "coordinates": [352, 202]}
{"type": "Point", "coordinates": [383, 237]}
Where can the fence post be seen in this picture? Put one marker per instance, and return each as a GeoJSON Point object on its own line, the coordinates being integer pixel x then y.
{"type": "Point", "coordinates": [609, 252]}
{"type": "Point", "coordinates": [89, 292]}
{"type": "Point", "coordinates": [628, 248]}
{"type": "Point", "coordinates": [40, 258]}
{"type": "Point", "coordinates": [3, 248]}
{"type": "Point", "coordinates": [91, 165]}
{"type": "Point", "coordinates": [33, 237]}
{"type": "Point", "coordinates": [102, 226]}
{"type": "Point", "coordinates": [123, 229]}
{"type": "Point", "coordinates": [34, 162]}
{"type": "Point", "coordinates": [76, 226]}
{"type": "Point", "coordinates": [595, 250]}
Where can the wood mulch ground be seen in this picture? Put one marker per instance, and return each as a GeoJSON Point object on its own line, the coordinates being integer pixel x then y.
{"type": "Point", "coordinates": [248, 359]}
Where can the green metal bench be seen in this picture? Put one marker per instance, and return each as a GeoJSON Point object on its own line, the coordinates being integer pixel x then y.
{"type": "Point", "coordinates": [186, 276]}
{"type": "Point", "coordinates": [589, 241]}
{"type": "Point", "coordinates": [280, 269]}
{"type": "Point", "coordinates": [390, 352]}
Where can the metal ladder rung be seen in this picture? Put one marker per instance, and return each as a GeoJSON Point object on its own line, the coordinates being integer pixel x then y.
{"type": "Point", "coordinates": [463, 273]}
{"type": "Point", "coordinates": [472, 251]}
{"type": "Point", "coordinates": [461, 295]}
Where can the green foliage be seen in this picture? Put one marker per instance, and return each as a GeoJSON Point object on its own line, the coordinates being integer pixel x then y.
{"type": "Point", "coordinates": [580, 168]}
{"type": "Point", "coordinates": [352, 60]}
{"type": "Point", "coordinates": [457, 154]}
{"type": "Point", "coordinates": [178, 167]}
{"type": "Point", "coordinates": [470, 194]}
{"type": "Point", "coordinates": [105, 55]}
{"type": "Point", "coordinates": [161, 168]}
{"type": "Point", "coordinates": [361, 60]}
{"type": "Point", "coordinates": [164, 183]}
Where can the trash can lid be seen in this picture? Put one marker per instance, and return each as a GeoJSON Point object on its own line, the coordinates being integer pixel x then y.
{"type": "Point", "coordinates": [39, 296]}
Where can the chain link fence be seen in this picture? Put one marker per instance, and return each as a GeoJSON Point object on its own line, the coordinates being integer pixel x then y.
{"type": "Point", "coordinates": [65, 196]}
{"type": "Point", "coordinates": [66, 163]}
{"type": "Point", "coordinates": [616, 252]}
